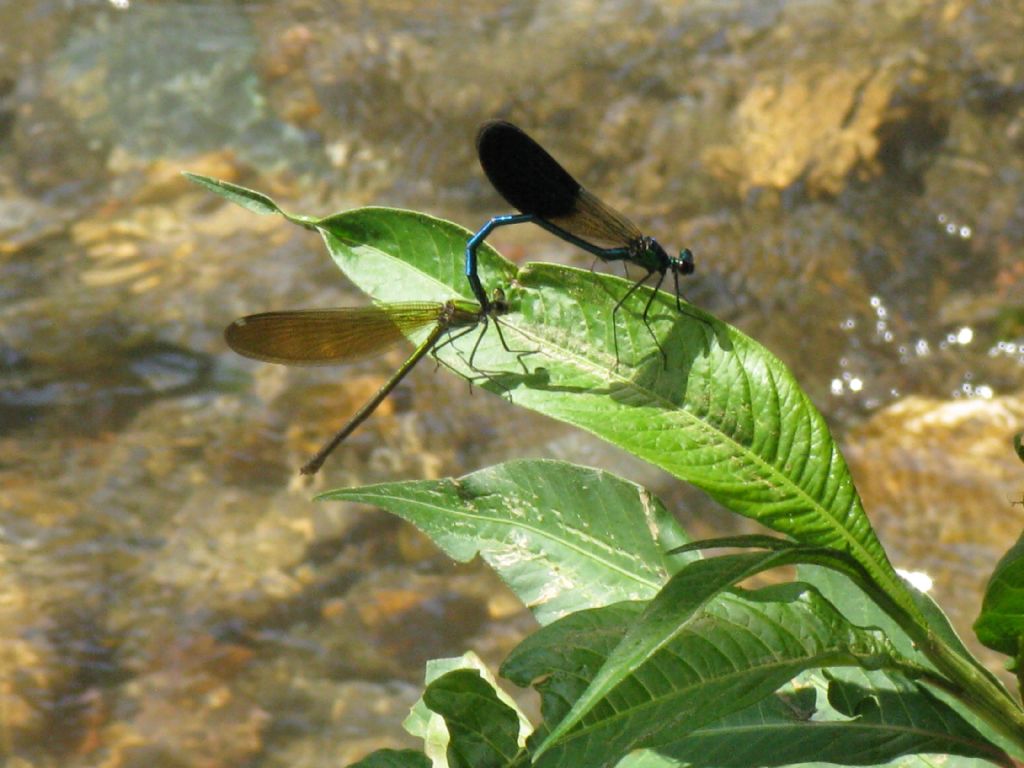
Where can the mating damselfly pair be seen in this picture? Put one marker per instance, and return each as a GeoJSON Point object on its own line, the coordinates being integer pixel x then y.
{"type": "Point", "coordinates": [544, 193]}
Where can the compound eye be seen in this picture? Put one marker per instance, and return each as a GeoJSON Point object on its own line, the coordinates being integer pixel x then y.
{"type": "Point", "coordinates": [686, 259]}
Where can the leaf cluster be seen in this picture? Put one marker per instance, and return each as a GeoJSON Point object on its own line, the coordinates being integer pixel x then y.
{"type": "Point", "coordinates": [650, 654]}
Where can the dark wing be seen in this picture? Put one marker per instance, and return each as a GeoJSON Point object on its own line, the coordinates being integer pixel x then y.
{"type": "Point", "coordinates": [326, 336]}
{"type": "Point", "coordinates": [533, 182]}
{"type": "Point", "coordinates": [523, 172]}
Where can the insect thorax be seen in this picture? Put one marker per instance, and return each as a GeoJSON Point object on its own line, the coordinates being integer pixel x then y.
{"type": "Point", "coordinates": [646, 252]}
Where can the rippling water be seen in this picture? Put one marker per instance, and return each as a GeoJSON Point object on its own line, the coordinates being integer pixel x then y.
{"type": "Point", "coordinates": [848, 177]}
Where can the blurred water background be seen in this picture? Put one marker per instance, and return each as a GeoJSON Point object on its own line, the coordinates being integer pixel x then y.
{"type": "Point", "coordinates": [850, 177]}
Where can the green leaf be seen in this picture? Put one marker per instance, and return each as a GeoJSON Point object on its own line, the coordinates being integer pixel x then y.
{"type": "Point", "coordinates": [393, 758]}
{"type": "Point", "coordinates": [859, 606]}
{"type": "Point", "coordinates": [895, 717]}
{"type": "Point", "coordinates": [843, 582]}
{"type": "Point", "coordinates": [717, 409]}
{"type": "Point", "coordinates": [562, 537]}
{"type": "Point", "coordinates": [429, 726]}
{"type": "Point", "coordinates": [483, 729]}
{"type": "Point", "coordinates": [741, 541]}
{"type": "Point", "coordinates": [249, 199]}
{"type": "Point", "coordinates": [868, 718]}
{"type": "Point", "coordinates": [1001, 623]}
{"type": "Point", "coordinates": [397, 255]}
{"type": "Point", "coordinates": [757, 652]}
{"type": "Point", "coordinates": [561, 659]}
{"type": "Point", "coordinates": [725, 414]}
{"type": "Point", "coordinates": [645, 758]}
